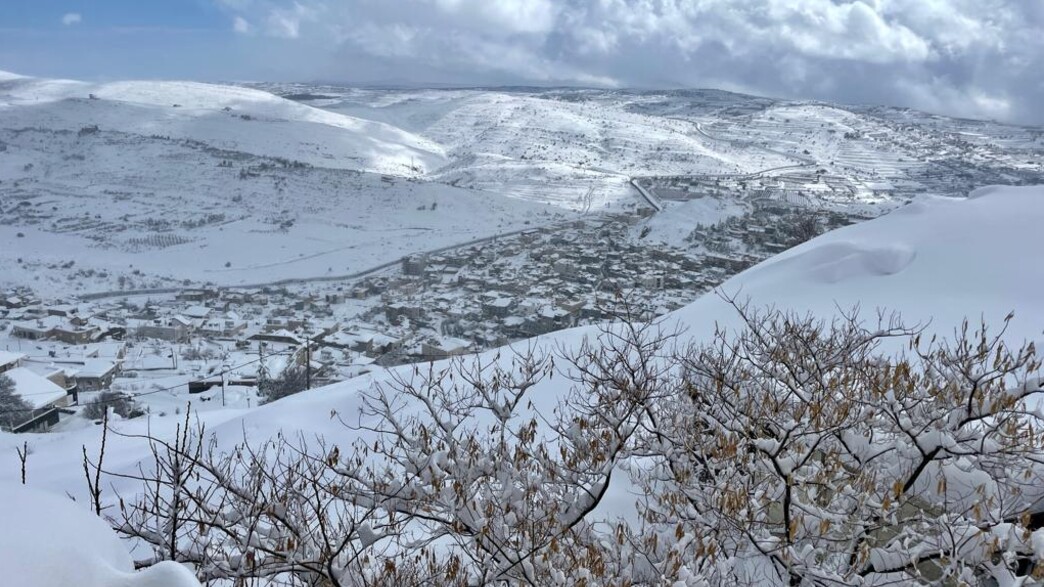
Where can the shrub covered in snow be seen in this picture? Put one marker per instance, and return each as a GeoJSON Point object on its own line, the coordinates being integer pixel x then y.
{"type": "Point", "coordinates": [120, 403]}
{"type": "Point", "coordinates": [791, 452]}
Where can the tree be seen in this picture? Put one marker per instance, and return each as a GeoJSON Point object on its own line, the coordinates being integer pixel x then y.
{"type": "Point", "coordinates": [453, 480]}
{"type": "Point", "coordinates": [13, 409]}
{"type": "Point", "coordinates": [806, 226]}
{"type": "Point", "coordinates": [120, 403]}
{"type": "Point", "coordinates": [292, 380]}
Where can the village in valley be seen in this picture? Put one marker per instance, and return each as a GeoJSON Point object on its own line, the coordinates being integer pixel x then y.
{"type": "Point", "coordinates": [218, 346]}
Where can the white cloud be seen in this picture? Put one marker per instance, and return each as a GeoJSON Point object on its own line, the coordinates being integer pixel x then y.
{"type": "Point", "coordinates": [966, 56]}
{"type": "Point", "coordinates": [72, 18]}
{"type": "Point", "coordinates": [286, 22]}
{"type": "Point", "coordinates": [502, 16]}
{"type": "Point", "coordinates": [241, 25]}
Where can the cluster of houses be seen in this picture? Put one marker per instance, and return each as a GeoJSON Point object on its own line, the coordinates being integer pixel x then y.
{"type": "Point", "coordinates": [51, 383]}
{"type": "Point", "coordinates": [543, 280]}
{"type": "Point", "coordinates": [769, 227]}
{"type": "Point", "coordinates": [429, 307]}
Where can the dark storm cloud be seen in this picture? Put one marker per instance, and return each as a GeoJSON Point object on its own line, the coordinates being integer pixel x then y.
{"type": "Point", "coordinates": [978, 58]}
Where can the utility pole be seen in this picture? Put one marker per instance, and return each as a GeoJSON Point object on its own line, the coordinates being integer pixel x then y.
{"type": "Point", "coordinates": [261, 365]}
{"type": "Point", "coordinates": [308, 363]}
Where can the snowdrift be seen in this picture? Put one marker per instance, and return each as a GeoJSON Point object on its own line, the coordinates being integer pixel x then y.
{"type": "Point", "coordinates": [936, 261]}
{"type": "Point", "coordinates": [49, 541]}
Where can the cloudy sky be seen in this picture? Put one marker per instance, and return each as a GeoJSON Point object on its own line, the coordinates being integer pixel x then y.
{"type": "Point", "coordinates": [979, 58]}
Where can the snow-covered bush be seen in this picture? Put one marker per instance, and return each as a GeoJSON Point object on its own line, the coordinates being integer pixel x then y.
{"type": "Point", "coordinates": [800, 453]}
{"type": "Point", "coordinates": [789, 453]}
{"type": "Point", "coordinates": [119, 402]}
{"type": "Point", "coordinates": [292, 380]}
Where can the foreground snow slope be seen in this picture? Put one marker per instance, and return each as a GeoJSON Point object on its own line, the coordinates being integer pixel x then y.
{"type": "Point", "coordinates": [936, 261]}
{"type": "Point", "coordinates": [49, 541]}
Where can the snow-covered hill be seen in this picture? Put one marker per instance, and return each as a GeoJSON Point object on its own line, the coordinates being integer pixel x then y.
{"type": "Point", "coordinates": [936, 261]}
{"type": "Point", "coordinates": [148, 184]}
{"type": "Point", "coordinates": [561, 151]}
{"type": "Point", "coordinates": [224, 117]}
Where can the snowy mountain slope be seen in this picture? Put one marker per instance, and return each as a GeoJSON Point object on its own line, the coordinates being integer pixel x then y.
{"type": "Point", "coordinates": [837, 139]}
{"type": "Point", "coordinates": [87, 201]}
{"type": "Point", "coordinates": [573, 146]}
{"type": "Point", "coordinates": [936, 262]}
{"type": "Point", "coordinates": [226, 117]}
{"type": "Point", "coordinates": [233, 186]}
{"type": "Point", "coordinates": [539, 148]}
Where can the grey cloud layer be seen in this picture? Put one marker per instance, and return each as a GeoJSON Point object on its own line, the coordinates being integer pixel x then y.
{"type": "Point", "coordinates": [966, 57]}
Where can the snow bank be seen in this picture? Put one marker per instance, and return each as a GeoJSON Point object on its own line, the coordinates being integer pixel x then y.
{"type": "Point", "coordinates": [49, 541]}
{"type": "Point", "coordinates": [936, 261]}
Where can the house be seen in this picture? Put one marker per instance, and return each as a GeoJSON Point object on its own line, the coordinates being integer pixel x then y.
{"type": "Point", "coordinates": [63, 310]}
{"type": "Point", "coordinates": [445, 347]}
{"type": "Point", "coordinates": [112, 350]}
{"type": "Point", "coordinates": [35, 329]}
{"type": "Point", "coordinates": [9, 360]}
{"type": "Point", "coordinates": [196, 295]}
{"type": "Point", "coordinates": [95, 375]}
{"type": "Point", "coordinates": [396, 310]}
{"type": "Point", "coordinates": [175, 329]}
{"type": "Point", "coordinates": [280, 336]}
{"type": "Point", "coordinates": [498, 307]}
{"type": "Point", "coordinates": [367, 342]}
{"type": "Point", "coordinates": [72, 334]}
{"type": "Point", "coordinates": [197, 312]}
{"type": "Point", "coordinates": [228, 326]}
{"type": "Point", "coordinates": [12, 302]}
{"type": "Point", "coordinates": [414, 265]}
{"type": "Point", "coordinates": [237, 297]}
{"type": "Point", "coordinates": [44, 397]}
{"type": "Point", "coordinates": [55, 327]}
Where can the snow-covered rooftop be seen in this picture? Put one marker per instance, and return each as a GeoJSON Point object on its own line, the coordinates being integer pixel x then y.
{"type": "Point", "coordinates": [35, 389]}
{"type": "Point", "coordinates": [10, 358]}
